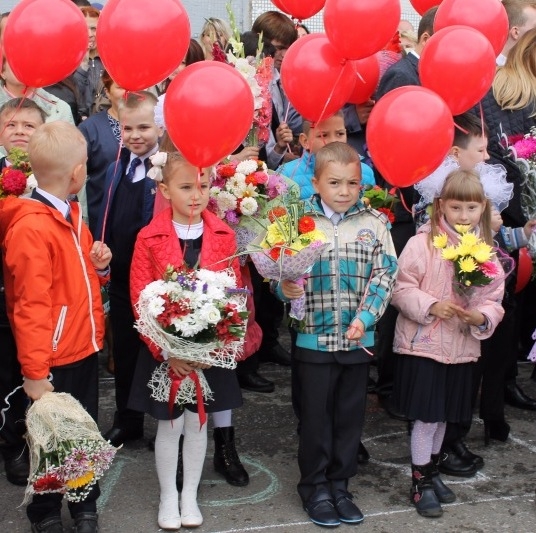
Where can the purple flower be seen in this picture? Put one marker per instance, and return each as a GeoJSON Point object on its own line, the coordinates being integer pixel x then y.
{"type": "Point", "coordinates": [231, 217]}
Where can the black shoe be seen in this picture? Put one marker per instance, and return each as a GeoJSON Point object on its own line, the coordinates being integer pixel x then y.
{"type": "Point", "coordinates": [514, 396]}
{"type": "Point", "coordinates": [118, 436]}
{"type": "Point", "coordinates": [255, 383]}
{"type": "Point", "coordinates": [422, 493]}
{"type": "Point", "coordinates": [18, 469]}
{"type": "Point", "coordinates": [226, 460]}
{"type": "Point", "coordinates": [275, 354]}
{"type": "Point", "coordinates": [363, 455]}
{"type": "Point", "coordinates": [386, 404]}
{"type": "Point", "coordinates": [52, 524]}
{"type": "Point", "coordinates": [86, 523]}
{"type": "Point", "coordinates": [461, 450]}
{"type": "Point", "coordinates": [347, 510]}
{"type": "Point", "coordinates": [443, 493]}
{"type": "Point", "coordinates": [496, 430]}
{"type": "Point", "coordinates": [321, 510]}
{"type": "Point", "coordinates": [453, 465]}
{"type": "Point", "coordinates": [371, 386]}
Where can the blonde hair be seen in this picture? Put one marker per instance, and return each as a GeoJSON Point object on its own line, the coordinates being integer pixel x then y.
{"type": "Point", "coordinates": [217, 30]}
{"type": "Point", "coordinates": [335, 152]}
{"type": "Point", "coordinates": [513, 85]}
{"type": "Point", "coordinates": [463, 186]}
{"type": "Point", "coordinates": [55, 149]}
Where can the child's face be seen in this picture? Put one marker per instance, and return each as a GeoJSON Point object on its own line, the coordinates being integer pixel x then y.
{"type": "Point", "coordinates": [326, 131]}
{"type": "Point", "coordinates": [17, 127]}
{"type": "Point", "coordinates": [140, 133]}
{"type": "Point", "coordinates": [339, 185]}
{"type": "Point", "coordinates": [188, 194]}
{"type": "Point", "coordinates": [476, 152]}
{"type": "Point", "coordinates": [458, 212]}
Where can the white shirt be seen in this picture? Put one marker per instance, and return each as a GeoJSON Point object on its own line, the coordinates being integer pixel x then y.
{"type": "Point", "coordinates": [140, 172]}
{"type": "Point", "coordinates": [60, 205]}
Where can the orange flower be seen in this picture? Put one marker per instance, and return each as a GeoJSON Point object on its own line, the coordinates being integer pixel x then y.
{"type": "Point", "coordinates": [251, 179]}
{"type": "Point", "coordinates": [306, 224]}
{"type": "Point", "coordinates": [275, 253]}
{"type": "Point", "coordinates": [276, 212]}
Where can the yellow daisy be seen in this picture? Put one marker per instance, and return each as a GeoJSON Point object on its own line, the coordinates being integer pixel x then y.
{"type": "Point", "coordinates": [482, 252]}
{"type": "Point", "coordinates": [464, 249]}
{"type": "Point", "coordinates": [441, 240]}
{"type": "Point", "coordinates": [81, 481]}
{"type": "Point", "coordinates": [462, 228]}
{"type": "Point", "coordinates": [469, 239]}
{"type": "Point", "coordinates": [450, 253]}
{"type": "Point", "coordinates": [467, 264]}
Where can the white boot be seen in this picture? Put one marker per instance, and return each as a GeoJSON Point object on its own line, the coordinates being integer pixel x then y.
{"type": "Point", "coordinates": [166, 450]}
{"type": "Point", "coordinates": [193, 456]}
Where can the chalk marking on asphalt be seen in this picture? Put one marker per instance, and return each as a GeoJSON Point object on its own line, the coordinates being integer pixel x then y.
{"type": "Point", "coordinates": [523, 443]}
{"type": "Point", "coordinates": [529, 496]}
{"type": "Point", "coordinates": [268, 492]}
{"type": "Point", "coordinates": [110, 481]}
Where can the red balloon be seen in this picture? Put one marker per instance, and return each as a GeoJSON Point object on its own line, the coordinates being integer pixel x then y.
{"type": "Point", "coordinates": [422, 6]}
{"type": "Point", "coordinates": [359, 29]}
{"type": "Point", "coordinates": [299, 9]}
{"type": "Point", "coordinates": [458, 63]}
{"type": "Point", "coordinates": [45, 41]}
{"type": "Point", "coordinates": [367, 76]}
{"type": "Point", "coordinates": [524, 270]}
{"type": "Point", "coordinates": [141, 42]}
{"type": "Point", "coordinates": [208, 111]}
{"type": "Point", "coordinates": [487, 16]}
{"type": "Point", "coordinates": [316, 79]}
{"type": "Point", "coordinates": [409, 132]}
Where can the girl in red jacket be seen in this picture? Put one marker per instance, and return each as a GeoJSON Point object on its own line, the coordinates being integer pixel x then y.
{"type": "Point", "coordinates": [185, 233]}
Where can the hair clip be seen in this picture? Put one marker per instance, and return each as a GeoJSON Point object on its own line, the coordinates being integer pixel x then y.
{"type": "Point", "coordinates": [158, 161]}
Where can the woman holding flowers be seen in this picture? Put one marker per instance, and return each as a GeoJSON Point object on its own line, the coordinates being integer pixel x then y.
{"type": "Point", "coordinates": [448, 292]}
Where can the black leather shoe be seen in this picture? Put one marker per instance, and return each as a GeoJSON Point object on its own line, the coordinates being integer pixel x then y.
{"type": "Point", "coordinates": [386, 404]}
{"type": "Point", "coordinates": [363, 455]}
{"type": "Point", "coordinates": [18, 469]}
{"type": "Point", "coordinates": [347, 510]}
{"type": "Point", "coordinates": [452, 465]}
{"type": "Point", "coordinates": [255, 383]}
{"type": "Point", "coordinates": [118, 436]}
{"type": "Point", "coordinates": [52, 524]}
{"type": "Point", "coordinates": [321, 510]}
{"type": "Point", "coordinates": [276, 354]}
{"type": "Point", "coordinates": [86, 523]}
{"type": "Point", "coordinates": [461, 450]}
{"type": "Point", "coordinates": [514, 396]}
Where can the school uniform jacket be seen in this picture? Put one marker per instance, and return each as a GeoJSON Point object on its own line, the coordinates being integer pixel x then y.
{"type": "Point", "coordinates": [52, 288]}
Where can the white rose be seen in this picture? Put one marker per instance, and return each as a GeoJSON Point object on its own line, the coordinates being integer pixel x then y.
{"type": "Point", "coordinates": [209, 313]}
{"type": "Point", "coordinates": [249, 206]}
{"type": "Point", "coordinates": [31, 184]}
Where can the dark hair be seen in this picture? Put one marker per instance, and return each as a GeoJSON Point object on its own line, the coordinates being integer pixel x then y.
{"type": "Point", "coordinates": [468, 126]}
{"type": "Point", "coordinates": [250, 40]}
{"type": "Point", "coordinates": [106, 80]}
{"type": "Point", "coordinates": [276, 26]}
{"type": "Point", "coordinates": [194, 54]}
{"type": "Point", "coordinates": [426, 25]}
{"type": "Point", "coordinates": [303, 26]}
{"type": "Point", "coordinates": [16, 104]}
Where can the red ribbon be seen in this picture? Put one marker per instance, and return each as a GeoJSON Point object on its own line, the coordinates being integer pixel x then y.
{"type": "Point", "coordinates": [176, 383]}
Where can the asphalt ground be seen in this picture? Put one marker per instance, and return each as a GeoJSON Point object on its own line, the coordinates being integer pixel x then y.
{"type": "Point", "coordinates": [501, 497]}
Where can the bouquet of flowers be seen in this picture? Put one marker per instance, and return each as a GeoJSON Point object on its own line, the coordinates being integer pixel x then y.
{"type": "Point", "coordinates": [473, 261]}
{"type": "Point", "coordinates": [193, 315]}
{"type": "Point", "coordinates": [288, 249]}
{"type": "Point", "coordinates": [380, 199]}
{"type": "Point", "coordinates": [17, 178]}
{"type": "Point", "coordinates": [67, 452]}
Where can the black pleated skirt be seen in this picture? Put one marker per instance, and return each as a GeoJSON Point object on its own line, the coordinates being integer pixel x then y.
{"type": "Point", "coordinates": [430, 391]}
{"type": "Point", "coordinates": [226, 392]}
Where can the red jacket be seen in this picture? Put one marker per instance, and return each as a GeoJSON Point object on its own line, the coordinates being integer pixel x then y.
{"type": "Point", "coordinates": [157, 246]}
{"type": "Point", "coordinates": [52, 288]}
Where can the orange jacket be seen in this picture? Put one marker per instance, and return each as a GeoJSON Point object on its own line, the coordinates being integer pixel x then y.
{"type": "Point", "coordinates": [52, 288]}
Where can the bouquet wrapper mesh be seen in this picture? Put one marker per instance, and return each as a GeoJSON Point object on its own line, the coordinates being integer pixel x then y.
{"type": "Point", "coordinates": [52, 420]}
{"type": "Point", "coordinates": [288, 267]}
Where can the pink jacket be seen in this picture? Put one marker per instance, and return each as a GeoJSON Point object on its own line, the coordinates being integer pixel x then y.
{"type": "Point", "coordinates": [424, 278]}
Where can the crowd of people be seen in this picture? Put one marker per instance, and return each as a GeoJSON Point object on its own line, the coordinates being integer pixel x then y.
{"type": "Point", "coordinates": [116, 202]}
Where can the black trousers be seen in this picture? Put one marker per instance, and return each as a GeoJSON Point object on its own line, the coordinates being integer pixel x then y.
{"type": "Point", "coordinates": [332, 405]}
{"type": "Point", "coordinates": [127, 344]}
{"type": "Point", "coordinates": [81, 381]}
{"type": "Point", "coordinates": [12, 433]}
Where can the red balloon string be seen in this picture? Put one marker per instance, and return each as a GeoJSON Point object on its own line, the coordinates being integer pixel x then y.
{"type": "Point", "coordinates": [461, 129]}
{"type": "Point", "coordinates": [321, 117]}
{"type": "Point", "coordinates": [403, 202]}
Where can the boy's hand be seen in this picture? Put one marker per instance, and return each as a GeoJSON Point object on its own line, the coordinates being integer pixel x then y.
{"type": "Point", "coordinates": [283, 136]}
{"type": "Point", "coordinates": [445, 309]}
{"type": "Point", "coordinates": [363, 111]}
{"type": "Point", "coordinates": [473, 318]}
{"type": "Point", "coordinates": [100, 255]}
{"type": "Point", "coordinates": [529, 228]}
{"type": "Point", "coordinates": [496, 220]}
{"type": "Point", "coordinates": [35, 388]}
{"type": "Point", "coordinates": [356, 330]}
{"type": "Point", "coordinates": [291, 289]}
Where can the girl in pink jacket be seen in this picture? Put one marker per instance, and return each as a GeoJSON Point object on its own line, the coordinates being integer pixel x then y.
{"type": "Point", "coordinates": [441, 324]}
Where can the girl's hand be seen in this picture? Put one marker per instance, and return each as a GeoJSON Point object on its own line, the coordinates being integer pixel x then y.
{"type": "Point", "coordinates": [356, 330]}
{"type": "Point", "coordinates": [180, 367]}
{"type": "Point", "coordinates": [529, 227]}
{"type": "Point", "coordinates": [473, 318]}
{"type": "Point", "coordinates": [291, 289]}
{"type": "Point", "coordinates": [100, 255]}
{"type": "Point", "coordinates": [445, 309]}
{"type": "Point", "coordinates": [496, 220]}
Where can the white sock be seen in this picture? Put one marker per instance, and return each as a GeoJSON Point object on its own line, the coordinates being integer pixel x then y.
{"type": "Point", "coordinates": [166, 451]}
{"type": "Point", "coordinates": [194, 449]}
